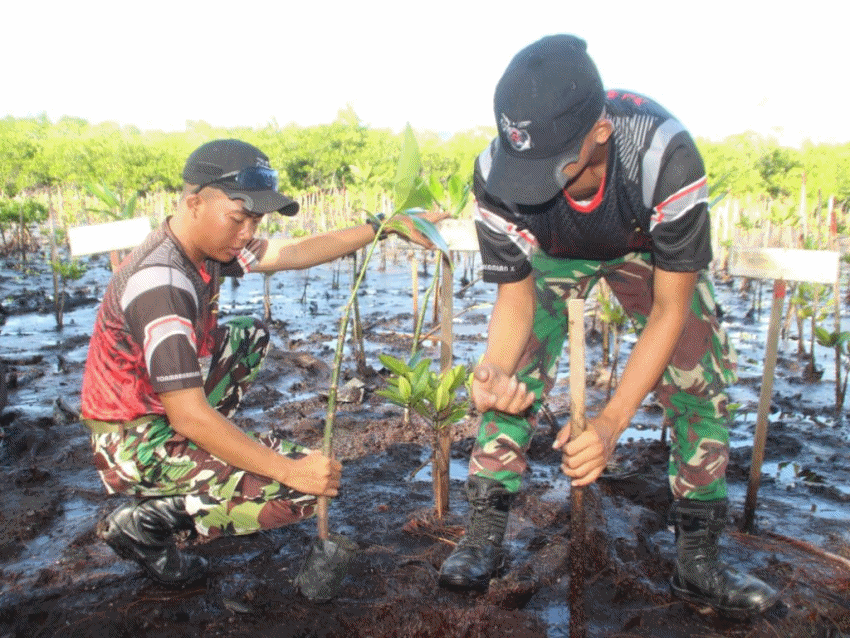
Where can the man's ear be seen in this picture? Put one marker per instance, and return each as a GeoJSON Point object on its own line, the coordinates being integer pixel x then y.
{"type": "Point", "coordinates": [193, 201]}
{"type": "Point", "coordinates": [602, 131]}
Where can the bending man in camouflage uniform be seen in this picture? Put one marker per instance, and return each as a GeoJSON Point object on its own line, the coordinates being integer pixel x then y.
{"type": "Point", "coordinates": [581, 186]}
{"type": "Point", "coordinates": [160, 428]}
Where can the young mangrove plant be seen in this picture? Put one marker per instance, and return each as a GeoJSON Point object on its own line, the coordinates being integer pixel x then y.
{"type": "Point", "coordinates": [114, 206]}
{"type": "Point", "coordinates": [408, 193]}
{"type": "Point", "coordinates": [613, 319]}
{"type": "Point", "coordinates": [65, 271]}
{"type": "Point", "coordinates": [433, 396]}
{"type": "Point", "coordinates": [16, 216]}
{"type": "Point", "coordinates": [806, 300]}
{"type": "Point", "coordinates": [839, 341]}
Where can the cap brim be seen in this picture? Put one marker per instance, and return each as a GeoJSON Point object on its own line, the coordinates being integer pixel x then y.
{"type": "Point", "coordinates": [262, 202]}
{"type": "Point", "coordinates": [517, 179]}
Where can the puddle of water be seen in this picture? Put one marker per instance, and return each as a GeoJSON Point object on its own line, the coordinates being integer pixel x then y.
{"type": "Point", "coordinates": [784, 472]}
{"type": "Point", "coordinates": [51, 547]}
{"type": "Point", "coordinates": [559, 490]}
{"type": "Point", "coordinates": [458, 469]}
{"type": "Point", "coordinates": [557, 618]}
{"type": "Point", "coordinates": [640, 432]}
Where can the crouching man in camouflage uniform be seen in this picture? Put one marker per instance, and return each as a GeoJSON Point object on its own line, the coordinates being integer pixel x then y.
{"type": "Point", "coordinates": [160, 430]}
{"type": "Point", "coordinates": [581, 186]}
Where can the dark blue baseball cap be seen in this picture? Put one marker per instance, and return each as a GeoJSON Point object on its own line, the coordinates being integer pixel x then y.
{"type": "Point", "coordinates": [546, 103]}
{"type": "Point", "coordinates": [241, 171]}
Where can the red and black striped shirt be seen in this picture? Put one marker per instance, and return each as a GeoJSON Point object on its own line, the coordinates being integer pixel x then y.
{"type": "Point", "coordinates": [153, 326]}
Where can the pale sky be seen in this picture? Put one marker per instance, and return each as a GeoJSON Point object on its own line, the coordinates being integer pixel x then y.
{"type": "Point", "coordinates": [721, 67]}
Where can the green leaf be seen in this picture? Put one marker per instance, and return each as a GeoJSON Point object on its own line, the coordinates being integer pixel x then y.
{"type": "Point", "coordinates": [419, 377]}
{"type": "Point", "coordinates": [422, 366]}
{"type": "Point", "coordinates": [107, 197]}
{"type": "Point", "coordinates": [435, 186]}
{"type": "Point", "coordinates": [825, 338]}
{"type": "Point", "coordinates": [417, 358]}
{"type": "Point", "coordinates": [441, 398]}
{"type": "Point", "coordinates": [420, 384]}
{"type": "Point", "coordinates": [459, 189]}
{"type": "Point", "coordinates": [446, 380]}
{"type": "Point", "coordinates": [405, 390]}
{"type": "Point", "coordinates": [407, 169]}
{"type": "Point", "coordinates": [430, 231]}
{"type": "Point", "coordinates": [418, 197]}
{"type": "Point", "coordinates": [391, 396]}
{"type": "Point", "coordinates": [130, 206]}
{"type": "Point", "coordinates": [458, 413]}
{"type": "Point", "coordinates": [396, 366]}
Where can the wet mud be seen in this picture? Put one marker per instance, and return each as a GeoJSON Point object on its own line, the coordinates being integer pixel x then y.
{"type": "Point", "coordinates": [58, 579]}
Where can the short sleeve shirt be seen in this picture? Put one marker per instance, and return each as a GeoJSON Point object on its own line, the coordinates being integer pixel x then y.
{"type": "Point", "coordinates": [154, 324]}
{"type": "Point", "coordinates": [654, 198]}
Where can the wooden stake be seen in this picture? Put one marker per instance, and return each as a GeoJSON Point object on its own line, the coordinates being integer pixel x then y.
{"type": "Point", "coordinates": [444, 436]}
{"type": "Point", "coordinates": [764, 404]}
{"type": "Point", "coordinates": [578, 621]}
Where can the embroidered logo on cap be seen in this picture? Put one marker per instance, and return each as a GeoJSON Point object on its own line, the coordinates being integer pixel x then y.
{"type": "Point", "coordinates": [518, 137]}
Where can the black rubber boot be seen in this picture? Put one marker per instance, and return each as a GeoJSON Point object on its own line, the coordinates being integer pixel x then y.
{"type": "Point", "coordinates": [143, 531]}
{"type": "Point", "coordinates": [478, 555]}
{"type": "Point", "coordinates": [700, 577]}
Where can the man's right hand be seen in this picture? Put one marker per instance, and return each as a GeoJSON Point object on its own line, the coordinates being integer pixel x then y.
{"type": "Point", "coordinates": [492, 389]}
{"type": "Point", "coordinates": [315, 474]}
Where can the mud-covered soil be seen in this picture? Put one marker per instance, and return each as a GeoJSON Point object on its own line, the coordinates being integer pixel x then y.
{"type": "Point", "coordinates": [58, 579]}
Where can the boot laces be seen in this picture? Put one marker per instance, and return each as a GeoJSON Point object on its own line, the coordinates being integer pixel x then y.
{"type": "Point", "coordinates": [487, 522]}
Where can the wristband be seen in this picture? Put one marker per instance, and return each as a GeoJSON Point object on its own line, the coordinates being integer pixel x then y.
{"type": "Point", "coordinates": [376, 224]}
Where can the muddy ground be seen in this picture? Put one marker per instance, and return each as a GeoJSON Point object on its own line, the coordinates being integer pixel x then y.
{"type": "Point", "coordinates": [58, 579]}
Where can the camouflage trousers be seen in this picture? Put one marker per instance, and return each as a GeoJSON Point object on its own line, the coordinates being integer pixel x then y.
{"type": "Point", "coordinates": [149, 459]}
{"type": "Point", "coordinates": [691, 389]}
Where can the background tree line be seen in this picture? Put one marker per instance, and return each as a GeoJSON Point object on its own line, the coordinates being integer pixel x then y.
{"type": "Point", "coordinates": [37, 153]}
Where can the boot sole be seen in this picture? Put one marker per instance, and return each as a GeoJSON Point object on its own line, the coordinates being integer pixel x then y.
{"type": "Point", "coordinates": [461, 583]}
{"type": "Point", "coordinates": [736, 613]}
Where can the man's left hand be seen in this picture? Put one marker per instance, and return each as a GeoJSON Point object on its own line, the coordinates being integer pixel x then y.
{"type": "Point", "coordinates": [584, 459]}
{"type": "Point", "coordinates": [412, 233]}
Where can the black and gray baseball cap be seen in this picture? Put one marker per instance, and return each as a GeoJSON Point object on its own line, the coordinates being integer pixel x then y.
{"type": "Point", "coordinates": [240, 170]}
{"type": "Point", "coordinates": [546, 103]}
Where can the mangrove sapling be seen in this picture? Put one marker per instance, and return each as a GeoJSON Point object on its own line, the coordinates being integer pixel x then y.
{"type": "Point", "coordinates": [790, 314]}
{"type": "Point", "coordinates": [19, 214]}
{"type": "Point", "coordinates": [65, 271]}
{"type": "Point", "coordinates": [818, 313]}
{"type": "Point", "coordinates": [603, 295]}
{"type": "Point", "coordinates": [114, 206]}
{"type": "Point", "coordinates": [394, 223]}
{"type": "Point", "coordinates": [453, 199]}
{"type": "Point", "coordinates": [58, 287]}
{"type": "Point", "coordinates": [357, 327]}
{"type": "Point", "coordinates": [420, 317]}
{"type": "Point", "coordinates": [613, 316]}
{"type": "Point", "coordinates": [408, 190]}
{"type": "Point", "coordinates": [434, 397]}
{"type": "Point", "coordinates": [272, 227]}
{"type": "Point", "coordinates": [806, 300]}
{"type": "Point", "coordinates": [839, 341]}
{"type": "Point", "coordinates": [416, 388]}
{"type": "Point", "coordinates": [267, 299]}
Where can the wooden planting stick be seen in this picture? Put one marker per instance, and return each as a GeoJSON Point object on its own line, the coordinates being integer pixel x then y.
{"type": "Point", "coordinates": [578, 621]}
{"type": "Point", "coordinates": [764, 403]}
